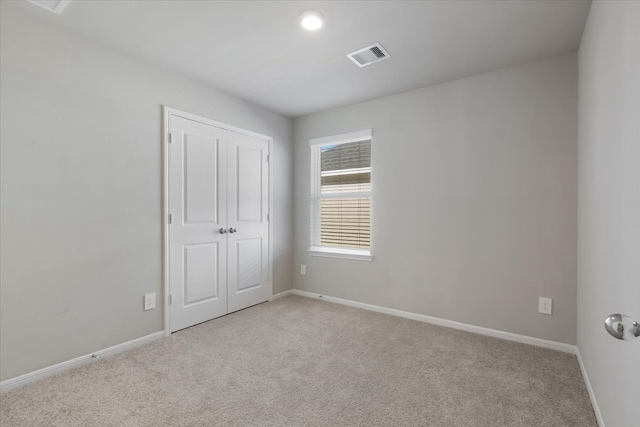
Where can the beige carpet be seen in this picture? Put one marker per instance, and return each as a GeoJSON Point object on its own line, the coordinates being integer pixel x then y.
{"type": "Point", "coordinates": [302, 362]}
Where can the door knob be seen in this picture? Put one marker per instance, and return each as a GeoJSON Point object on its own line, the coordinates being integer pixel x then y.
{"type": "Point", "coordinates": [232, 230]}
{"type": "Point", "coordinates": [622, 327]}
{"type": "Point", "coordinates": [223, 230]}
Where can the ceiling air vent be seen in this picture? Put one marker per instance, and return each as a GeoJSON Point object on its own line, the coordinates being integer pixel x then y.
{"type": "Point", "coordinates": [55, 6]}
{"type": "Point", "coordinates": [369, 55]}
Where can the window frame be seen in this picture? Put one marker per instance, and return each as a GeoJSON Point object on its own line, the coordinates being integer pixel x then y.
{"type": "Point", "coordinates": [315, 248]}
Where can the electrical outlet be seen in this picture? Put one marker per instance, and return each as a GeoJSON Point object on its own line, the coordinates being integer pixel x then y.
{"type": "Point", "coordinates": [150, 301]}
{"type": "Point", "coordinates": [545, 305]}
{"type": "Point", "coordinates": [303, 269]}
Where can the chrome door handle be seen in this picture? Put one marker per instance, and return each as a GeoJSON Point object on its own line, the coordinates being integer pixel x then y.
{"type": "Point", "coordinates": [622, 327]}
{"type": "Point", "coordinates": [223, 230]}
{"type": "Point", "coordinates": [232, 230]}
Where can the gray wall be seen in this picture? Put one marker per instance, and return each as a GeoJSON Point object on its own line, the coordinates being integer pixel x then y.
{"type": "Point", "coordinates": [474, 200]}
{"type": "Point", "coordinates": [609, 204]}
{"type": "Point", "coordinates": [81, 191]}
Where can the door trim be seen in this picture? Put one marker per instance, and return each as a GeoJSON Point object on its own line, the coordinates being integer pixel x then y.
{"type": "Point", "coordinates": [166, 113]}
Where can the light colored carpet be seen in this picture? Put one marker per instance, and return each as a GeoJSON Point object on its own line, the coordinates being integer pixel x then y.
{"type": "Point", "coordinates": [303, 362]}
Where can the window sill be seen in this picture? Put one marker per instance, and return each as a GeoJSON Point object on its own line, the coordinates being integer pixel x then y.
{"type": "Point", "coordinates": [355, 254]}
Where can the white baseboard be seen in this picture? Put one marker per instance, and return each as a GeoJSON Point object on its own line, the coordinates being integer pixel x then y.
{"type": "Point", "coordinates": [30, 377]}
{"type": "Point", "coordinates": [281, 295]}
{"type": "Point", "coordinates": [592, 395]}
{"type": "Point", "coordinates": [553, 345]}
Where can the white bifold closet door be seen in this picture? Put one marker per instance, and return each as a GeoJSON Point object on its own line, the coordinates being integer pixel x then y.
{"type": "Point", "coordinates": [219, 233]}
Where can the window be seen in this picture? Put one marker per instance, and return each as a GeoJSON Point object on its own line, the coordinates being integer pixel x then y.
{"type": "Point", "coordinates": [341, 196]}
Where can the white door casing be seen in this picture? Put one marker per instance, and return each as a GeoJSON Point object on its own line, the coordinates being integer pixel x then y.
{"type": "Point", "coordinates": [216, 180]}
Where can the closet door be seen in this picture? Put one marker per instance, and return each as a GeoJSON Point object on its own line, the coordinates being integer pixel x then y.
{"type": "Point", "coordinates": [248, 238]}
{"type": "Point", "coordinates": [198, 206]}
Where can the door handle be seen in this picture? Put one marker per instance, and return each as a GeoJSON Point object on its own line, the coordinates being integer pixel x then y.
{"type": "Point", "coordinates": [622, 327]}
{"type": "Point", "coordinates": [232, 230]}
{"type": "Point", "coordinates": [223, 230]}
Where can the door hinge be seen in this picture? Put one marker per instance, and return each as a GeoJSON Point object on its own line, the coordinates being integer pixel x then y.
{"type": "Point", "coordinates": [267, 217]}
{"type": "Point", "coordinates": [268, 158]}
{"type": "Point", "coordinates": [170, 218]}
{"type": "Point", "coordinates": [170, 138]}
{"type": "Point", "coordinates": [170, 299]}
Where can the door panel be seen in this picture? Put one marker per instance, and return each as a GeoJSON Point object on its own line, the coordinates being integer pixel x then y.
{"type": "Point", "coordinates": [200, 273]}
{"type": "Point", "coordinates": [200, 179]}
{"type": "Point", "coordinates": [249, 265]}
{"type": "Point", "coordinates": [248, 197]}
{"type": "Point", "coordinates": [197, 203]}
{"type": "Point", "coordinates": [249, 191]}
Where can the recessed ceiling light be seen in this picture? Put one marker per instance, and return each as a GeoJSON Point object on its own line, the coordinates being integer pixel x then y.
{"type": "Point", "coordinates": [311, 20]}
{"type": "Point", "coordinates": [55, 6]}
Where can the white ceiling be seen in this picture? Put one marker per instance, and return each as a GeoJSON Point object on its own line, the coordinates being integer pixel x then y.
{"type": "Point", "coordinates": [257, 51]}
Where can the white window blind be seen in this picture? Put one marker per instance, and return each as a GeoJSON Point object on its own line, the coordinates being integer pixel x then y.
{"type": "Point", "coordinates": [341, 193]}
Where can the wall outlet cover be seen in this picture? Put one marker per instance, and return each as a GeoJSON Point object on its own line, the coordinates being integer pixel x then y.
{"type": "Point", "coordinates": [150, 301]}
{"type": "Point", "coordinates": [545, 305]}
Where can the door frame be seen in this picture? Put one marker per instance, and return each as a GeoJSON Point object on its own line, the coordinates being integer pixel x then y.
{"type": "Point", "coordinates": [166, 113]}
